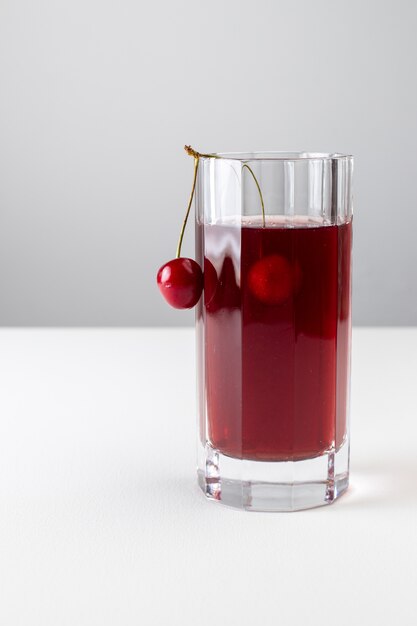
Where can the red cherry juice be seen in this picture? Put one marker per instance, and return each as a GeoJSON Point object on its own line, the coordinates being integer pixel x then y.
{"type": "Point", "coordinates": [276, 315]}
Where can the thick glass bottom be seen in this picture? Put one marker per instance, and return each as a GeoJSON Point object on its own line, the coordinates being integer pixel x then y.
{"type": "Point", "coordinates": [273, 486]}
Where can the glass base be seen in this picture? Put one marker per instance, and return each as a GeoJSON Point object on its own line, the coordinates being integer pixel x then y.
{"type": "Point", "coordinates": [273, 486]}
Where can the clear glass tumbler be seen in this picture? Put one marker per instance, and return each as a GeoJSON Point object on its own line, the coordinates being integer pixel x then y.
{"type": "Point", "coordinates": [274, 235]}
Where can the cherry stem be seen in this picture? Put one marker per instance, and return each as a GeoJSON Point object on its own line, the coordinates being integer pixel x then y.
{"type": "Point", "coordinates": [190, 201]}
{"type": "Point", "coordinates": [196, 155]}
{"type": "Point", "coordinates": [259, 191]}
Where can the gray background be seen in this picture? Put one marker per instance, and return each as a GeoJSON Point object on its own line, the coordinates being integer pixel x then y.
{"type": "Point", "coordinates": [97, 99]}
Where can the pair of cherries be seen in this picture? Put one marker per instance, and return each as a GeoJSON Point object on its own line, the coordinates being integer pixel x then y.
{"type": "Point", "coordinates": [271, 280]}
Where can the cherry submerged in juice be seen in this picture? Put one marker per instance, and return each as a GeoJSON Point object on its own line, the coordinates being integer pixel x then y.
{"type": "Point", "coordinates": [276, 311]}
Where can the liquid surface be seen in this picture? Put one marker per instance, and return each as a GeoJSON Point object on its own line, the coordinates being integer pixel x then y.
{"type": "Point", "coordinates": [276, 315]}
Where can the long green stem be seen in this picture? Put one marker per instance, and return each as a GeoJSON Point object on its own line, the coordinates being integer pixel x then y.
{"type": "Point", "coordinates": [190, 201]}
{"type": "Point", "coordinates": [196, 155]}
{"type": "Point", "coordinates": [259, 191]}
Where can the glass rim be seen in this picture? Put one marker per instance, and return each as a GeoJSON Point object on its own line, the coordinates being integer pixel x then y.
{"type": "Point", "coordinates": [279, 156]}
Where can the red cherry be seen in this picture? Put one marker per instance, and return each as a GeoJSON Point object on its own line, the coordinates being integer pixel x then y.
{"type": "Point", "coordinates": [211, 281]}
{"type": "Point", "coordinates": [181, 282]}
{"type": "Point", "coordinates": [272, 280]}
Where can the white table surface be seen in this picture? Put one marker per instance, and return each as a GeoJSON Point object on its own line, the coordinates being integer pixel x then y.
{"type": "Point", "coordinates": [101, 521]}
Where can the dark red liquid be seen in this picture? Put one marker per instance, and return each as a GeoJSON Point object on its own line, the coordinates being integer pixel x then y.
{"type": "Point", "coordinates": [276, 357]}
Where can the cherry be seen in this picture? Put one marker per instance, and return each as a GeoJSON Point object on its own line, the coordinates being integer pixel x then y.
{"type": "Point", "coordinates": [181, 282]}
{"type": "Point", "coordinates": [272, 279]}
{"type": "Point", "coordinates": [211, 281]}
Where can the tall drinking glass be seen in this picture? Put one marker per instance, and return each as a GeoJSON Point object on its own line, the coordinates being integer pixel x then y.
{"type": "Point", "coordinates": [274, 235]}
